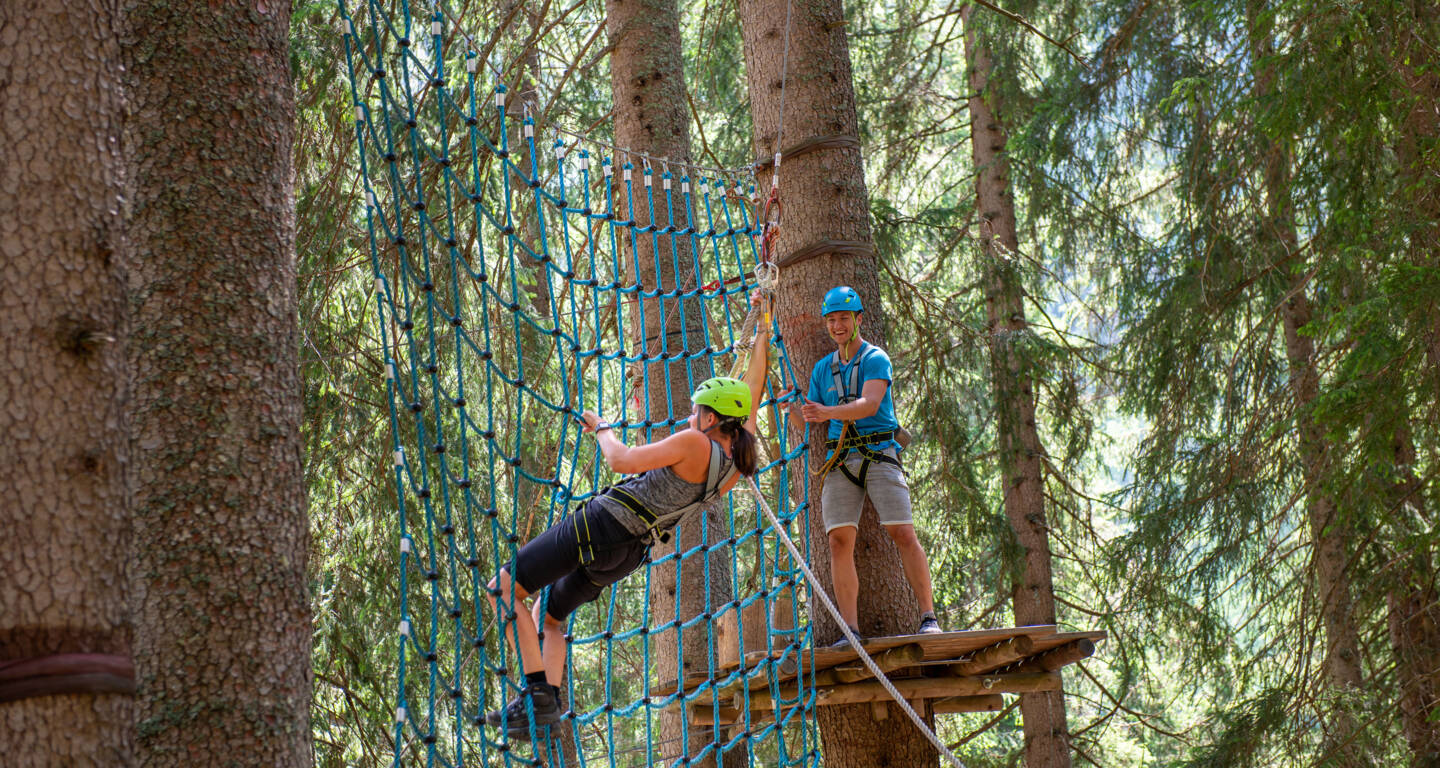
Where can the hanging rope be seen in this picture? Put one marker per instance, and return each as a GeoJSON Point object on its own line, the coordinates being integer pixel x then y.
{"type": "Point", "coordinates": [818, 589]}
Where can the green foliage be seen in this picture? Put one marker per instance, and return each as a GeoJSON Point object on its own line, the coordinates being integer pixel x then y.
{"type": "Point", "coordinates": [1154, 283]}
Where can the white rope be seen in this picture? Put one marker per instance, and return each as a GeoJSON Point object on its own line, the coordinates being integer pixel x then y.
{"type": "Point", "coordinates": [854, 640]}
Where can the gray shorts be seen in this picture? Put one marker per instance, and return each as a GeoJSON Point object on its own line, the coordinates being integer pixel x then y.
{"type": "Point", "coordinates": [841, 500]}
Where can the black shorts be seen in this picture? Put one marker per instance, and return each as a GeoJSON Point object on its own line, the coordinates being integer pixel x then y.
{"type": "Point", "coordinates": [587, 551]}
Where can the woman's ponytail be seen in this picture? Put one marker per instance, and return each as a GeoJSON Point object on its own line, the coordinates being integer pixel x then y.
{"type": "Point", "coordinates": [742, 446]}
{"type": "Point", "coordinates": [742, 450]}
{"type": "Point", "coordinates": [742, 443]}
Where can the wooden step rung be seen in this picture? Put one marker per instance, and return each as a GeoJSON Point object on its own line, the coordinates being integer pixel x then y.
{"type": "Point", "coordinates": [995, 656]}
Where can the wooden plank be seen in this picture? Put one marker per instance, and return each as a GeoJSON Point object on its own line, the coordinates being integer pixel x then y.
{"type": "Point", "coordinates": [945, 645]}
{"type": "Point", "coordinates": [990, 702]}
{"type": "Point", "coordinates": [920, 688]}
{"type": "Point", "coordinates": [931, 688]}
{"type": "Point", "coordinates": [693, 681]}
{"type": "Point", "coordinates": [886, 660]}
{"type": "Point", "coordinates": [879, 710]}
{"type": "Point", "coordinates": [942, 648]}
{"type": "Point", "coordinates": [994, 657]}
{"type": "Point", "coordinates": [705, 715]}
{"type": "Point", "coordinates": [1057, 658]}
{"type": "Point", "coordinates": [727, 640]}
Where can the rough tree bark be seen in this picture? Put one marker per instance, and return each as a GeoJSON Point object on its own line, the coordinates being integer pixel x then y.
{"type": "Point", "coordinates": [1418, 150]}
{"type": "Point", "coordinates": [647, 79]}
{"type": "Point", "coordinates": [222, 619]}
{"type": "Point", "coordinates": [1047, 737]}
{"type": "Point", "coordinates": [62, 412]}
{"type": "Point", "coordinates": [1413, 610]}
{"type": "Point", "coordinates": [826, 220]}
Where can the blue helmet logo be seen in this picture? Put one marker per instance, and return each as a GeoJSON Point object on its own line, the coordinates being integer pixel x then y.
{"type": "Point", "coordinates": [842, 299]}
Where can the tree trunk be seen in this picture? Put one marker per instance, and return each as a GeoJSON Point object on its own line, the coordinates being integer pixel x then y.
{"type": "Point", "coordinates": [222, 619]}
{"type": "Point", "coordinates": [1047, 737]}
{"type": "Point", "coordinates": [1328, 531]}
{"type": "Point", "coordinates": [647, 79]}
{"type": "Point", "coordinates": [1413, 610]}
{"type": "Point", "coordinates": [64, 454]}
{"type": "Point", "coordinates": [826, 221]}
{"type": "Point", "coordinates": [1418, 151]}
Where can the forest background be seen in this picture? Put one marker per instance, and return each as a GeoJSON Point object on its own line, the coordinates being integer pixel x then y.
{"type": "Point", "coordinates": [1227, 265]}
{"type": "Point", "coordinates": [1228, 252]}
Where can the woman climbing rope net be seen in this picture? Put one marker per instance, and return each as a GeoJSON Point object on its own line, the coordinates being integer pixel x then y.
{"type": "Point", "coordinates": [605, 539]}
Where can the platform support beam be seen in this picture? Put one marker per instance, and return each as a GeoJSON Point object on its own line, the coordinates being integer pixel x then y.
{"type": "Point", "coordinates": [920, 688]}
{"type": "Point", "coordinates": [887, 661]}
{"type": "Point", "coordinates": [991, 702]}
{"type": "Point", "coordinates": [1056, 658]}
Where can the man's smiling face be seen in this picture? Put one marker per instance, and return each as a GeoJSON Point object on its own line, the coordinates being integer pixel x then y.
{"type": "Point", "coordinates": [842, 326]}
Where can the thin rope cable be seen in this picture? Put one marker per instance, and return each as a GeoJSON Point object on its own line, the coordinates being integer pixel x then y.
{"type": "Point", "coordinates": [851, 636]}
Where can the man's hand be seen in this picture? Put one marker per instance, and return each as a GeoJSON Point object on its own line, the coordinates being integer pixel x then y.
{"type": "Point", "coordinates": [814, 412]}
{"type": "Point", "coordinates": [805, 409]}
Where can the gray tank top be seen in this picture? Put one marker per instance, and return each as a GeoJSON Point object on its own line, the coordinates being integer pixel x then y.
{"type": "Point", "coordinates": [661, 491]}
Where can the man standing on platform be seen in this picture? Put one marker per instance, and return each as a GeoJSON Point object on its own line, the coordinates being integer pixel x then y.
{"type": "Point", "coordinates": [850, 388]}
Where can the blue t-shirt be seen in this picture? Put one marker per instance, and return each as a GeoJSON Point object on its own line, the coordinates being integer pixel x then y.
{"type": "Point", "coordinates": [874, 364]}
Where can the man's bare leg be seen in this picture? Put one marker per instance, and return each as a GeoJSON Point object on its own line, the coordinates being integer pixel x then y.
{"type": "Point", "coordinates": [553, 649]}
{"type": "Point", "coordinates": [842, 573]}
{"type": "Point", "coordinates": [917, 567]}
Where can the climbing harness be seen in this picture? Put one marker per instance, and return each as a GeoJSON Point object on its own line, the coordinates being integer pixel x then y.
{"type": "Point", "coordinates": [659, 526]}
{"type": "Point", "coordinates": [846, 378]}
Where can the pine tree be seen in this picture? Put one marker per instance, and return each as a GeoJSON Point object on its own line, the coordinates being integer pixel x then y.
{"type": "Point", "coordinates": [825, 240]}
{"type": "Point", "coordinates": [1033, 593]}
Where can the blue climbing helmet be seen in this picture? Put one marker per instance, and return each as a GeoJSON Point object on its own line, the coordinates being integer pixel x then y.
{"type": "Point", "coordinates": [842, 299]}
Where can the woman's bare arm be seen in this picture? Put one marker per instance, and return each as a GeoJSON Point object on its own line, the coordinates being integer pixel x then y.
{"type": "Point", "coordinates": [634, 459]}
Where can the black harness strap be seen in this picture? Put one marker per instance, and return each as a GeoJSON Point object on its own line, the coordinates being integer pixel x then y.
{"type": "Point", "coordinates": [660, 525]}
{"type": "Point", "coordinates": [860, 443]}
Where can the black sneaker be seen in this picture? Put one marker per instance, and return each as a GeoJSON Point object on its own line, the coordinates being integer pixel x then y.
{"type": "Point", "coordinates": [929, 626]}
{"type": "Point", "coordinates": [516, 716]}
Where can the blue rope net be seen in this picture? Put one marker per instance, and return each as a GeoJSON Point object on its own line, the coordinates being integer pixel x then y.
{"type": "Point", "coordinates": [505, 274]}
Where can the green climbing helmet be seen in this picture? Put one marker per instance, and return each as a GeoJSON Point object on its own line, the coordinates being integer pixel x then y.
{"type": "Point", "coordinates": [841, 299]}
{"type": "Point", "coordinates": [725, 395]}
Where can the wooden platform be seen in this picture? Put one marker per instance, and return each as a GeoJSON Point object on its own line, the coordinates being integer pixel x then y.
{"type": "Point", "coordinates": [948, 672]}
